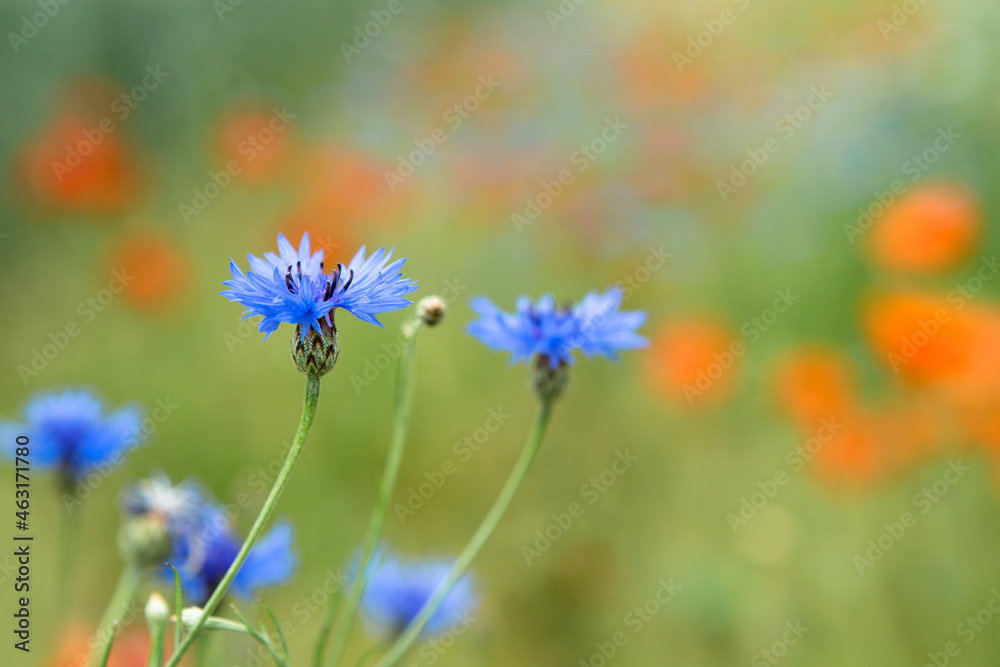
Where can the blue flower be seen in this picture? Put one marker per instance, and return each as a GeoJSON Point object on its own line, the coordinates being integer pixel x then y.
{"type": "Point", "coordinates": [203, 543]}
{"type": "Point", "coordinates": [397, 590]}
{"type": "Point", "coordinates": [203, 559]}
{"type": "Point", "coordinates": [70, 431]}
{"type": "Point", "coordinates": [293, 287]}
{"type": "Point", "coordinates": [551, 333]}
{"type": "Point", "coordinates": [184, 508]}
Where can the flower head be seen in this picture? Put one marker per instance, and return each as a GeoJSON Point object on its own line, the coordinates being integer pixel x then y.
{"type": "Point", "coordinates": [398, 589]}
{"type": "Point", "coordinates": [294, 287]}
{"type": "Point", "coordinates": [205, 557]}
{"type": "Point", "coordinates": [70, 431]}
{"type": "Point", "coordinates": [541, 330]}
{"type": "Point", "coordinates": [183, 507]}
{"type": "Point", "coordinates": [161, 519]}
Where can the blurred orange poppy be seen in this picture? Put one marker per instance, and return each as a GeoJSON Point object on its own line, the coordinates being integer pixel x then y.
{"type": "Point", "coordinates": [853, 454]}
{"type": "Point", "coordinates": [344, 191]}
{"type": "Point", "coordinates": [921, 337]}
{"type": "Point", "coordinates": [75, 164]}
{"type": "Point", "coordinates": [258, 140]}
{"type": "Point", "coordinates": [942, 341]}
{"type": "Point", "coordinates": [928, 229]}
{"type": "Point", "coordinates": [156, 268]}
{"type": "Point", "coordinates": [814, 384]}
{"type": "Point", "coordinates": [130, 649]}
{"type": "Point", "coordinates": [694, 361]}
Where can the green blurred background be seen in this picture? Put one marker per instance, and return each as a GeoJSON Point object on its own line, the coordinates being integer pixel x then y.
{"type": "Point", "coordinates": [697, 89]}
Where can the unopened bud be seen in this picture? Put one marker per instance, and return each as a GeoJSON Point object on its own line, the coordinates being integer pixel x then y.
{"type": "Point", "coordinates": [145, 540]}
{"type": "Point", "coordinates": [157, 611]}
{"type": "Point", "coordinates": [191, 615]}
{"type": "Point", "coordinates": [547, 381]}
{"type": "Point", "coordinates": [432, 309]}
{"type": "Point", "coordinates": [317, 354]}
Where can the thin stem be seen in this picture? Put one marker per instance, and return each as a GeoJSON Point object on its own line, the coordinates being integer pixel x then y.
{"type": "Point", "coordinates": [308, 411]}
{"type": "Point", "coordinates": [475, 545]}
{"type": "Point", "coordinates": [201, 653]}
{"type": "Point", "coordinates": [158, 635]}
{"type": "Point", "coordinates": [370, 655]}
{"type": "Point", "coordinates": [401, 425]}
{"type": "Point", "coordinates": [67, 558]}
{"type": "Point", "coordinates": [121, 602]}
{"type": "Point", "coordinates": [326, 626]}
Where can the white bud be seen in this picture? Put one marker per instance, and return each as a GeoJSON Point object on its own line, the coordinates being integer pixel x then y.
{"type": "Point", "coordinates": [157, 611]}
{"type": "Point", "coordinates": [191, 616]}
{"type": "Point", "coordinates": [431, 309]}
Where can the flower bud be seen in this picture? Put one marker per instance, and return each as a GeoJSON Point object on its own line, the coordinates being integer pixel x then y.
{"type": "Point", "coordinates": [157, 611]}
{"type": "Point", "coordinates": [191, 615]}
{"type": "Point", "coordinates": [317, 354]}
{"type": "Point", "coordinates": [145, 540]}
{"type": "Point", "coordinates": [432, 309]}
{"type": "Point", "coordinates": [547, 381]}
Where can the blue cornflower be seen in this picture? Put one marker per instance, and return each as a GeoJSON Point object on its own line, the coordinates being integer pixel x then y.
{"type": "Point", "coordinates": [397, 590]}
{"type": "Point", "coordinates": [293, 287]}
{"type": "Point", "coordinates": [203, 559]}
{"type": "Point", "coordinates": [161, 519]}
{"type": "Point", "coordinates": [183, 508]}
{"type": "Point", "coordinates": [70, 431]}
{"type": "Point", "coordinates": [541, 330]}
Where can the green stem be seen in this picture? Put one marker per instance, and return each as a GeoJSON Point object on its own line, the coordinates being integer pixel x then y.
{"type": "Point", "coordinates": [158, 635]}
{"type": "Point", "coordinates": [401, 424]}
{"type": "Point", "coordinates": [308, 411]}
{"type": "Point", "coordinates": [475, 545]}
{"type": "Point", "coordinates": [67, 558]}
{"type": "Point", "coordinates": [121, 602]}
{"type": "Point", "coordinates": [201, 654]}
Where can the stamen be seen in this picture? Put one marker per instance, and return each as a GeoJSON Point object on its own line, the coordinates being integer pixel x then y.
{"type": "Point", "coordinates": [288, 281]}
{"type": "Point", "coordinates": [349, 281]}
